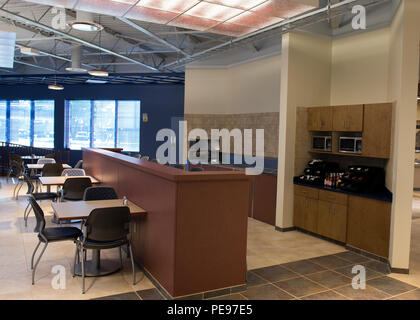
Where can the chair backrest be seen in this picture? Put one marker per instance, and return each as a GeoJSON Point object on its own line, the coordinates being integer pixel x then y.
{"type": "Point", "coordinates": [197, 169]}
{"type": "Point", "coordinates": [74, 188]}
{"type": "Point", "coordinates": [17, 168]}
{"type": "Point", "coordinates": [145, 158]}
{"type": "Point", "coordinates": [52, 169]}
{"type": "Point", "coordinates": [79, 164]}
{"type": "Point", "coordinates": [73, 172]}
{"type": "Point", "coordinates": [50, 156]}
{"type": "Point", "coordinates": [46, 160]}
{"type": "Point", "coordinates": [39, 215]}
{"type": "Point", "coordinates": [108, 224]}
{"type": "Point", "coordinates": [15, 157]}
{"type": "Point", "coordinates": [99, 193]}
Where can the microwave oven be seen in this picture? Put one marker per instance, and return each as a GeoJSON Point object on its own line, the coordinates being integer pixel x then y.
{"type": "Point", "coordinates": [350, 145]}
{"type": "Point", "coordinates": [320, 143]}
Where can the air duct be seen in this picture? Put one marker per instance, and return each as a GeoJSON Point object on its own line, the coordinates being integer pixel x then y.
{"type": "Point", "coordinates": [76, 56]}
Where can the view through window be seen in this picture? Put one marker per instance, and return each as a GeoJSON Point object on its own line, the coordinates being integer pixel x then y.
{"type": "Point", "coordinates": [31, 122]}
{"type": "Point", "coordinates": [103, 124]}
{"type": "Point", "coordinates": [3, 120]}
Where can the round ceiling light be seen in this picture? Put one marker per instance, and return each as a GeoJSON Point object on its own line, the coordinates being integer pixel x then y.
{"type": "Point", "coordinates": [55, 87]}
{"type": "Point", "coordinates": [84, 22]}
{"type": "Point", "coordinates": [85, 26]}
{"type": "Point", "coordinates": [99, 73]}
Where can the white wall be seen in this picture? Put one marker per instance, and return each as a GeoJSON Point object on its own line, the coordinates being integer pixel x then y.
{"type": "Point", "coordinates": [360, 68]}
{"type": "Point", "coordinates": [252, 87]}
{"type": "Point", "coordinates": [305, 81]}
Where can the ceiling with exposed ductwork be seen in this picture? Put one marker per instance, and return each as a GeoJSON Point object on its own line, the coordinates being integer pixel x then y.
{"type": "Point", "coordinates": [163, 36]}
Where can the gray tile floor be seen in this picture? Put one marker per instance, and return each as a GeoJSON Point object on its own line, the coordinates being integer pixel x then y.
{"type": "Point", "coordinates": [323, 278]}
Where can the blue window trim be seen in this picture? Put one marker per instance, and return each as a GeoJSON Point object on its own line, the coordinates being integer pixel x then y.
{"type": "Point", "coordinates": [32, 125]}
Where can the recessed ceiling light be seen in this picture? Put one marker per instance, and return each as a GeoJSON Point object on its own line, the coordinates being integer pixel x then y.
{"type": "Point", "coordinates": [30, 51]}
{"type": "Point", "coordinates": [84, 22]}
{"type": "Point", "coordinates": [99, 73]}
{"type": "Point", "coordinates": [55, 87]}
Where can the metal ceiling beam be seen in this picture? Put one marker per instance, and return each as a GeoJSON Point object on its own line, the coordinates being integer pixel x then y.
{"type": "Point", "coordinates": [34, 65]}
{"type": "Point", "coordinates": [81, 41]}
{"type": "Point", "coordinates": [284, 23]}
{"type": "Point", "coordinates": [153, 36]}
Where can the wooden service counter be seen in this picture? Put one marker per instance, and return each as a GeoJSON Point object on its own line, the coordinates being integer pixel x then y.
{"type": "Point", "coordinates": [193, 238]}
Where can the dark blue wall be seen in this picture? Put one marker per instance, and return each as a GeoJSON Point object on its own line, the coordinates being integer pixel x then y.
{"type": "Point", "coordinates": [160, 102]}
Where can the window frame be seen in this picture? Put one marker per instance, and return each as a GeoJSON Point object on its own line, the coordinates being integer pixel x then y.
{"type": "Point", "coordinates": [32, 117]}
{"type": "Point", "coordinates": [92, 122]}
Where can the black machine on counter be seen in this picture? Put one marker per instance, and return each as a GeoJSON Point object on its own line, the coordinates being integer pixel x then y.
{"type": "Point", "coordinates": [357, 179]}
{"type": "Point", "coordinates": [316, 172]}
{"type": "Point", "coordinates": [362, 179]}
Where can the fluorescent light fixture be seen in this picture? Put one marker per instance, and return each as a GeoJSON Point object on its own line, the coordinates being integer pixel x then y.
{"type": "Point", "coordinates": [30, 51]}
{"type": "Point", "coordinates": [96, 81]}
{"type": "Point", "coordinates": [55, 87]}
{"type": "Point", "coordinates": [98, 73]}
{"type": "Point", "coordinates": [7, 46]}
{"type": "Point", "coordinates": [84, 22]}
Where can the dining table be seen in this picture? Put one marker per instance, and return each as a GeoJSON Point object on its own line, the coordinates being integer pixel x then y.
{"type": "Point", "coordinates": [68, 211]}
{"type": "Point", "coordinates": [60, 180]}
{"type": "Point", "coordinates": [40, 166]}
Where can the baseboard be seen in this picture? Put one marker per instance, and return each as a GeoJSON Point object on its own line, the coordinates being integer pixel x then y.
{"type": "Point", "coordinates": [285, 229]}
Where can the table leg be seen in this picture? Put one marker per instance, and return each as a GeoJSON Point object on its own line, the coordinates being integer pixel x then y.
{"type": "Point", "coordinates": [97, 267]}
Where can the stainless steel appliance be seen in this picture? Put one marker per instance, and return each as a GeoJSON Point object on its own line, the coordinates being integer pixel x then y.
{"type": "Point", "coordinates": [350, 145]}
{"type": "Point", "coordinates": [321, 143]}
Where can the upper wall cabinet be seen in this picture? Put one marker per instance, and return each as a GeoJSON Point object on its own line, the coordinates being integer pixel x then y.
{"type": "Point", "coordinates": [320, 119]}
{"type": "Point", "coordinates": [377, 130]}
{"type": "Point", "coordinates": [348, 118]}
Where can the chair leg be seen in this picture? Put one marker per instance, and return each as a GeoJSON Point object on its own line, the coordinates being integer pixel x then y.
{"type": "Point", "coordinates": [37, 261]}
{"type": "Point", "coordinates": [121, 262]}
{"type": "Point", "coordinates": [33, 255]}
{"type": "Point", "coordinates": [26, 214]}
{"type": "Point", "coordinates": [20, 184]}
{"type": "Point", "coordinates": [76, 257]}
{"type": "Point", "coordinates": [83, 270]}
{"type": "Point", "coordinates": [132, 264]}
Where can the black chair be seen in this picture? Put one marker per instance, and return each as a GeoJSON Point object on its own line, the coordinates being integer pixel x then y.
{"type": "Point", "coordinates": [105, 228]}
{"type": "Point", "coordinates": [196, 169]}
{"type": "Point", "coordinates": [50, 156]}
{"type": "Point", "coordinates": [52, 170]}
{"type": "Point", "coordinates": [99, 193]}
{"type": "Point", "coordinates": [38, 196]}
{"type": "Point", "coordinates": [47, 235]}
{"type": "Point", "coordinates": [74, 188]}
{"type": "Point", "coordinates": [79, 164]}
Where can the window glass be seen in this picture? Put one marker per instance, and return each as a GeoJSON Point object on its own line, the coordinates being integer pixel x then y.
{"type": "Point", "coordinates": [96, 124]}
{"type": "Point", "coordinates": [20, 122]}
{"type": "Point", "coordinates": [44, 124]}
{"type": "Point", "coordinates": [104, 124]}
{"type": "Point", "coordinates": [129, 125]}
{"type": "Point", "coordinates": [3, 120]}
{"type": "Point", "coordinates": [79, 124]}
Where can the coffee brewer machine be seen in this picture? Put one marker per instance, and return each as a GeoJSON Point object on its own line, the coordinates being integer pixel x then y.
{"type": "Point", "coordinates": [316, 172]}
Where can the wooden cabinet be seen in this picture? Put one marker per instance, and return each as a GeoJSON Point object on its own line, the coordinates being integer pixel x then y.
{"type": "Point", "coordinates": [369, 225]}
{"type": "Point", "coordinates": [332, 215]}
{"type": "Point", "coordinates": [377, 130]}
{"type": "Point", "coordinates": [306, 208]}
{"type": "Point", "coordinates": [320, 119]}
{"type": "Point", "coordinates": [348, 118]}
{"type": "Point", "coordinates": [264, 200]}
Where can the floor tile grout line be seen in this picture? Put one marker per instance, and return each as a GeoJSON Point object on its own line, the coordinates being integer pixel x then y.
{"type": "Point", "coordinates": [400, 294]}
